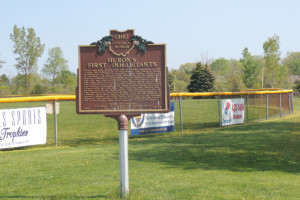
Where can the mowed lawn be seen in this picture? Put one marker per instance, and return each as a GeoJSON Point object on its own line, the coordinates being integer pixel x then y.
{"type": "Point", "coordinates": [251, 161]}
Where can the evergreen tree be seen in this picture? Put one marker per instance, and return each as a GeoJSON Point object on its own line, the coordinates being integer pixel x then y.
{"type": "Point", "coordinates": [202, 80]}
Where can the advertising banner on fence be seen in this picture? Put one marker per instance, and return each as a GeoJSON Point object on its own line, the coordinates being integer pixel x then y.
{"type": "Point", "coordinates": [153, 122]}
{"type": "Point", "coordinates": [23, 127]}
{"type": "Point", "coordinates": [232, 111]}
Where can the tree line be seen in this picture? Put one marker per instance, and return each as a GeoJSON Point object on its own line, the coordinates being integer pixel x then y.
{"type": "Point", "coordinates": [55, 77]}
{"type": "Point", "coordinates": [249, 72]}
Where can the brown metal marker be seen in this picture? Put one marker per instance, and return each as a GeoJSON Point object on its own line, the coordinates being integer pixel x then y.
{"type": "Point", "coordinates": [121, 76]}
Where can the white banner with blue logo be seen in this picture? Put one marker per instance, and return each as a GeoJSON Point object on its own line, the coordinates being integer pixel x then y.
{"type": "Point", "coordinates": [23, 127]}
{"type": "Point", "coordinates": [232, 111]}
{"type": "Point", "coordinates": [153, 122]}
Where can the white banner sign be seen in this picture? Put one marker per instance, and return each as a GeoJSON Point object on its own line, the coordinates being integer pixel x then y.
{"type": "Point", "coordinates": [232, 111]}
{"type": "Point", "coordinates": [23, 127]}
{"type": "Point", "coordinates": [153, 122]}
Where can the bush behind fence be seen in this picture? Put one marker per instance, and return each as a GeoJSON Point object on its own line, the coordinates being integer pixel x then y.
{"type": "Point", "coordinates": [196, 114]}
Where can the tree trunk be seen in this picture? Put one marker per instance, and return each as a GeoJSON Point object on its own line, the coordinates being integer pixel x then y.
{"type": "Point", "coordinates": [25, 79]}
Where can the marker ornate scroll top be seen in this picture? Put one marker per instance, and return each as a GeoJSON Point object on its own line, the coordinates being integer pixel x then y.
{"type": "Point", "coordinates": [106, 42]}
{"type": "Point", "coordinates": [140, 42]}
{"type": "Point", "coordinates": [103, 43]}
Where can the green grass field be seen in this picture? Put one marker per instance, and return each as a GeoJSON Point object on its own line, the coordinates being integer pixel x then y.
{"type": "Point", "coordinates": [250, 161]}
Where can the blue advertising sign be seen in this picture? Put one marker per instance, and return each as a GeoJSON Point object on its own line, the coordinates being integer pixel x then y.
{"type": "Point", "coordinates": [153, 122]}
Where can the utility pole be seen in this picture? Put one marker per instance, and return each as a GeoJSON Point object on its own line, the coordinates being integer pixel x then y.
{"type": "Point", "coordinates": [175, 81]}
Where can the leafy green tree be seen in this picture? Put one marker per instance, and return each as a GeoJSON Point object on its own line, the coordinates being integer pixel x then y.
{"type": "Point", "coordinates": [182, 76]}
{"type": "Point", "coordinates": [170, 81]}
{"type": "Point", "coordinates": [274, 73]}
{"type": "Point", "coordinates": [181, 85]}
{"type": "Point", "coordinates": [251, 70]}
{"type": "Point", "coordinates": [221, 84]}
{"type": "Point", "coordinates": [202, 79]}
{"type": "Point", "coordinates": [228, 75]}
{"type": "Point", "coordinates": [220, 69]}
{"type": "Point", "coordinates": [1, 63]}
{"type": "Point", "coordinates": [180, 80]}
{"type": "Point", "coordinates": [188, 68]}
{"type": "Point", "coordinates": [67, 82]}
{"type": "Point", "coordinates": [66, 77]}
{"type": "Point", "coordinates": [4, 79]}
{"type": "Point", "coordinates": [235, 77]}
{"type": "Point", "coordinates": [29, 48]}
{"type": "Point", "coordinates": [297, 86]}
{"type": "Point", "coordinates": [4, 84]}
{"type": "Point", "coordinates": [18, 84]}
{"type": "Point", "coordinates": [18, 81]}
{"type": "Point", "coordinates": [292, 62]}
{"type": "Point", "coordinates": [220, 66]}
{"type": "Point", "coordinates": [38, 79]}
{"type": "Point", "coordinates": [260, 60]}
{"type": "Point", "coordinates": [55, 63]}
{"type": "Point", "coordinates": [39, 89]}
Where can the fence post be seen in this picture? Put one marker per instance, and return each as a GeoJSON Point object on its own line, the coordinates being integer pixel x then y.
{"type": "Point", "coordinates": [55, 123]}
{"type": "Point", "coordinates": [247, 107]}
{"type": "Point", "coordinates": [289, 104]}
{"type": "Point", "coordinates": [293, 102]}
{"type": "Point", "coordinates": [180, 108]}
{"type": "Point", "coordinates": [219, 111]}
{"type": "Point", "coordinates": [280, 105]}
{"type": "Point", "coordinates": [267, 105]}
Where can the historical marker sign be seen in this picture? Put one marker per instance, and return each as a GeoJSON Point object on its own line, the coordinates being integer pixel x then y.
{"type": "Point", "coordinates": [122, 74]}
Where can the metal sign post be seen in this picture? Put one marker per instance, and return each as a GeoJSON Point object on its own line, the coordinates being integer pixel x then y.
{"type": "Point", "coordinates": [123, 155]}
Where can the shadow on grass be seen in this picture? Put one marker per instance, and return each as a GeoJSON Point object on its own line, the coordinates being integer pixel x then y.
{"type": "Point", "coordinates": [53, 197]}
{"type": "Point", "coordinates": [255, 147]}
{"type": "Point", "coordinates": [74, 142]}
{"type": "Point", "coordinates": [198, 126]}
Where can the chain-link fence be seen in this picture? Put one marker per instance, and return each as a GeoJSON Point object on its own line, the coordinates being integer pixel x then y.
{"type": "Point", "coordinates": [196, 114]}
{"type": "Point", "coordinates": [66, 127]}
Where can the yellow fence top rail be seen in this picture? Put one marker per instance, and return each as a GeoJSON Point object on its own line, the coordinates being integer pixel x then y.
{"type": "Point", "coordinates": [180, 94]}
{"type": "Point", "coordinates": [38, 98]}
{"type": "Point", "coordinates": [263, 89]}
{"type": "Point", "coordinates": [205, 94]}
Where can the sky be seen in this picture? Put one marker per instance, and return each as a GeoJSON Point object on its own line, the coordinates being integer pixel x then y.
{"type": "Point", "coordinates": [193, 30]}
